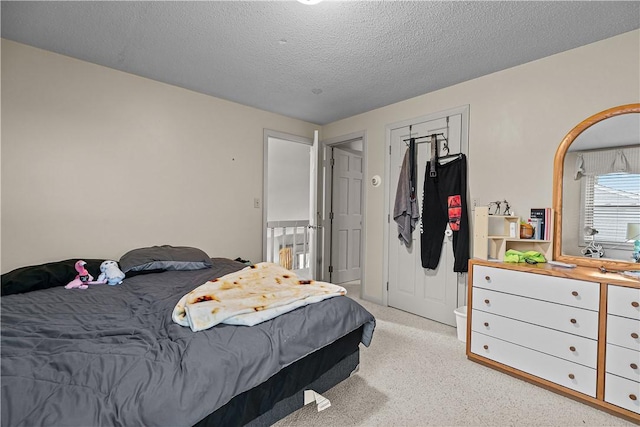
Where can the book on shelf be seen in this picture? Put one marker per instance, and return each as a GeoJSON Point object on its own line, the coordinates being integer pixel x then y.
{"type": "Point", "coordinates": [537, 217]}
{"type": "Point", "coordinates": [544, 219]}
{"type": "Point", "coordinates": [536, 224]}
{"type": "Point", "coordinates": [548, 220]}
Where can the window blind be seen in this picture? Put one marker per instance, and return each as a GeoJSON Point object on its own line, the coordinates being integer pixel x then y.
{"type": "Point", "coordinates": [611, 201]}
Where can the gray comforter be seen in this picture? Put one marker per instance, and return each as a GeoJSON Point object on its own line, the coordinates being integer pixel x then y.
{"type": "Point", "coordinates": [111, 355]}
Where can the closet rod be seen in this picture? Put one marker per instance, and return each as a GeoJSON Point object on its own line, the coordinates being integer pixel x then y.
{"type": "Point", "coordinates": [427, 136]}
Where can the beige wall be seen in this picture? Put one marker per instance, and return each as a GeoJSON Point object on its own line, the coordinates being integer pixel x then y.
{"type": "Point", "coordinates": [96, 162]}
{"type": "Point", "coordinates": [517, 119]}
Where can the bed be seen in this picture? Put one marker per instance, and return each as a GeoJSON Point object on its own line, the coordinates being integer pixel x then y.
{"type": "Point", "coordinates": [111, 355]}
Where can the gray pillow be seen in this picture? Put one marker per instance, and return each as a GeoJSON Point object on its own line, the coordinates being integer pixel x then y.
{"type": "Point", "coordinates": [159, 258]}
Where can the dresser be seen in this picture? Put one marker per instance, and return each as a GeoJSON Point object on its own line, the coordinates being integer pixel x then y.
{"type": "Point", "coordinates": [573, 331]}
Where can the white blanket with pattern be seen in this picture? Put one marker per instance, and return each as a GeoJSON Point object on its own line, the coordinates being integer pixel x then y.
{"type": "Point", "coordinates": [250, 296]}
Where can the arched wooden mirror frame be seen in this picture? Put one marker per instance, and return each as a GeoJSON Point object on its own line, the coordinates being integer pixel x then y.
{"type": "Point", "coordinates": [558, 173]}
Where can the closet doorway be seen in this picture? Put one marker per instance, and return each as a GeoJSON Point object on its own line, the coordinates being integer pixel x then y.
{"type": "Point", "coordinates": [344, 161]}
{"type": "Point", "coordinates": [433, 294]}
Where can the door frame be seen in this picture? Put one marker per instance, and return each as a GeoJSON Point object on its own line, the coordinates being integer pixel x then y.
{"type": "Point", "coordinates": [326, 179]}
{"type": "Point", "coordinates": [462, 110]}
{"type": "Point", "coordinates": [268, 133]}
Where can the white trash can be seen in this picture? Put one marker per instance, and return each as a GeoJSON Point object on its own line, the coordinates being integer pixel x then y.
{"type": "Point", "coordinates": [461, 322]}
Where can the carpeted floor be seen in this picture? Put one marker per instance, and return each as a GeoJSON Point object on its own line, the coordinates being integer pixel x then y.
{"type": "Point", "coordinates": [415, 373]}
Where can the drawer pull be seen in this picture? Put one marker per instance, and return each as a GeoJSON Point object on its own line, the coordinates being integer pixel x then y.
{"type": "Point", "coordinates": [574, 293]}
{"type": "Point", "coordinates": [571, 376]}
{"type": "Point", "coordinates": [572, 348]}
{"type": "Point", "coordinates": [634, 366]}
{"type": "Point", "coordinates": [486, 324]}
{"type": "Point", "coordinates": [486, 301]}
{"type": "Point", "coordinates": [633, 397]}
{"type": "Point", "coordinates": [487, 278]}
{"type": "Point", "coordinates": [635, 304]}
{"type": "Point", "coordinates": [486, 347]}
{"type": "Point", "coordinates": [574, 321]}
{"type": "Point", "coordinates": [634, 335]}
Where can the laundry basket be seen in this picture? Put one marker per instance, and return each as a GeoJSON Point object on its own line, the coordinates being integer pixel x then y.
{"type": "Point", "coordinates": [461, 322]}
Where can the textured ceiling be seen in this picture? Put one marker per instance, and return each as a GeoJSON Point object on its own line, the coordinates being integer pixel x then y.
{"type": "Point", "coordinates": [317, 63]}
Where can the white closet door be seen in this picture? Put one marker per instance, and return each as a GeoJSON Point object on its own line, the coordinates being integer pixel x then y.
{"type": "Point", "coordinates": [429, 293]}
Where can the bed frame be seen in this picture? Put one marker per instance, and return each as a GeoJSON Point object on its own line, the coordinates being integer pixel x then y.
{"type": "Point", "coordinates": [282, 394]}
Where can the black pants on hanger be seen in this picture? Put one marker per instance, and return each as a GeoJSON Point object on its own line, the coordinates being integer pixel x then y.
{"type": "Point", "coordinates": [444, 201]}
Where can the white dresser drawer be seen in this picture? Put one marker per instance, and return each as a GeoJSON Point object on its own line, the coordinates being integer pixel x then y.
{"type": "Point", "coordinates": [623, 362]}
{"type": "Point", "coordinates": [622, 392]}
{"type": "Point", "coordinates": [623, 301]}
{"type": "Point", "coordinates": [623, 332]}
{"type": "Point", "coordinates": [576, 293]}
{"type": "Point", "coordinates": [560, 344]}
{"type": "Point", "coordinates": [568, 319]}
{"type": "Point", "coordinates": [559, 371]}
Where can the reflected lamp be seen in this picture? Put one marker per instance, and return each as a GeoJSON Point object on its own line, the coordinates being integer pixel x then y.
{"type": "Point", "coordinates": [633, 233]}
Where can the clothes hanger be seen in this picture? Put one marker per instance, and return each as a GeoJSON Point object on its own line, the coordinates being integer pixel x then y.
{"type": "Point", "coordinates": [449, 158]}
{"type": "Point", "coordinates": [445, 147]}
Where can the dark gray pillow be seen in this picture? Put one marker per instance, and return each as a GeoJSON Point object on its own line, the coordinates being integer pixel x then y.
{"type": "Point", "coordinates": [44, 276]}
{"type": "Point", "coordinates": [160, 258]}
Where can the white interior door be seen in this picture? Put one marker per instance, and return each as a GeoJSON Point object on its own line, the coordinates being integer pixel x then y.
{"type": "Point", "coordinates": [346, 225]}
{"type": "Point", "coordinates": [429, 293]}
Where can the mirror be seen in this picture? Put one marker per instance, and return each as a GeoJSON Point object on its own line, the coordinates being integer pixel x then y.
{"type": "Point", "coordinates": [596, 192]}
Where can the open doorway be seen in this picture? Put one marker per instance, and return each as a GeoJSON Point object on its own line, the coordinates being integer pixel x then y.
{"type": "Point", "coordinates": [344, 213]}
{"type": "Point", "coordinates": [289, 181]}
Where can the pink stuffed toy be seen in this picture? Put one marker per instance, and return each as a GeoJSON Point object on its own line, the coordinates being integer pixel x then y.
{"type": "Point", "coordinates": [83, 279]}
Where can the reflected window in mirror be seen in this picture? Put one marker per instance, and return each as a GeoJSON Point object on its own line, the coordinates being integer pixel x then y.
{"type": "Point", "coordinates": [610, 202]}
{"type": "Point", "coordinates": [610, 199]}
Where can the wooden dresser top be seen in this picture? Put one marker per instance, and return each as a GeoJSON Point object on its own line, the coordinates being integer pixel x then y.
{"type": "Point", "coordinates": [581, 273]}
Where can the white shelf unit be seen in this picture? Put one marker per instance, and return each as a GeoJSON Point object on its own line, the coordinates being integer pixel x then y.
{"type": "Point", "coordinates": [493, 236]}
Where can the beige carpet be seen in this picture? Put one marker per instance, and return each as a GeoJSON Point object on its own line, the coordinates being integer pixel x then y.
{"type": "Point", "coordinates": [415, 373]}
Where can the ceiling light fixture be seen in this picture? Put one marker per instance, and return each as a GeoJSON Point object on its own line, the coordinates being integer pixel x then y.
{"type": "Point", "coordinates": [310, 2]}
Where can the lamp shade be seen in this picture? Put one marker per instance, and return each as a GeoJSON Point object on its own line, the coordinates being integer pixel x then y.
{"type": "Point", "coordinates": [633, 230]}
{"type": "Point", "coordinates": [590, 231]}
